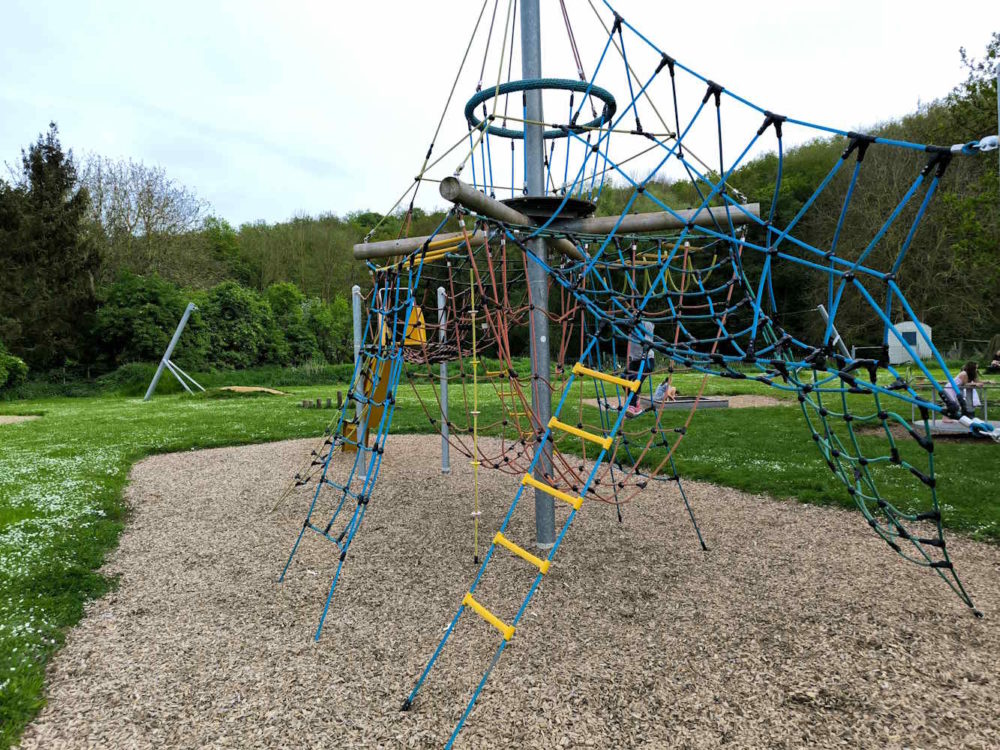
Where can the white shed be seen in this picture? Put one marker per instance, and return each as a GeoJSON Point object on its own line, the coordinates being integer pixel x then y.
{"type": "Point", "coordinates": [910, 331]}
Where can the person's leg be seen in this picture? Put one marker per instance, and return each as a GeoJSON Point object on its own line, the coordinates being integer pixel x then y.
{"type": "Point", "coordinates": [632, 371]}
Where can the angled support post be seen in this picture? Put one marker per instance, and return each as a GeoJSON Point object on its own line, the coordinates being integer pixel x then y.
{"type": "Point", "coordinates": [166, 364]}
{"type": "Point", "coordinates": [837, 341]}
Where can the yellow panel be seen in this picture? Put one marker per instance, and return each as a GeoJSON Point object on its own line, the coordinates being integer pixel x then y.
{"type": "Point", "coordinates": [375, 389]}
{"type": "Point", "coordinates": [416, 331]}
{"type": "Point", "coordinates": [350, 433]}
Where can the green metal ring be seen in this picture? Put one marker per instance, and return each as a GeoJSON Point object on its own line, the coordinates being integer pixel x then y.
{"type": "Point", "coordinates": [534, 84]}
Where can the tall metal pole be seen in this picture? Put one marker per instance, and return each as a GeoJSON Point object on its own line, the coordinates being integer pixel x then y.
{"type": "Point", "coordinates": [360, 432]}
{"type": "Point", "coordinates": [538, 283]}
{"type": "Point", "coordinates": [442, 337]}
{"type": "Point", "coordinates": [170, 350]}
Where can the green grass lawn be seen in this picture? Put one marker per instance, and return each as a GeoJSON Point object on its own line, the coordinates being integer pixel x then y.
{"type": "Point", "coordinates": [61, 510]}
{"type": "Point", "coordinates": [62, 476]}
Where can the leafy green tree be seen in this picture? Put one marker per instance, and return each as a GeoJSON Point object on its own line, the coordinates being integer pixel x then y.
{"type": "Point", "coordinates": [137, 317]}
{"type": "Point", "coordinates": [13, 371]}
{"type": "Point", "coordinates": [224, 244]}
{"type": "Point", "coordinates": [146, 222]}
{"type": "Point", "coordinates": [48, 262]}
{"type": "Point", "coordinates": [288, 305]}
{"type": "Point", "coordinates": [242, 330]}
{"type": "Point", "coordinates": [332, 326]}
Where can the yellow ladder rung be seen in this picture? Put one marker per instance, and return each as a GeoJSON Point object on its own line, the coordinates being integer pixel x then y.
{"type": "Point", "coordinates": [530, 481]}
{"type": "Point", "coordinates": [604, 442]}
{"type": "Point", "coordinates": [542, 565]}
{"type": "Point", "coordinates": [506, 630]}
{"type": "Point", "coordinates": [632, 385]}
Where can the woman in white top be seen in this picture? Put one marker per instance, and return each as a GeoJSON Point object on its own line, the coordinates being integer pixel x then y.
{"type": "Point", "coordinates": [966, 377]}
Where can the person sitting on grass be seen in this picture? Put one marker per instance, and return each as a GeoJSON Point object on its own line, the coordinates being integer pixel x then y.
{"type": "Point", "coordinates": [664, 392]}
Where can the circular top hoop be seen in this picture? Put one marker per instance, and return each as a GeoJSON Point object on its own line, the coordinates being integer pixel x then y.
{"type": "Point", "coordinates": [534, 84]}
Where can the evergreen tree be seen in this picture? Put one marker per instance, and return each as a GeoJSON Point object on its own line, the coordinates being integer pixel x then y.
{"type": "Point", "coordinates": [47, 260]}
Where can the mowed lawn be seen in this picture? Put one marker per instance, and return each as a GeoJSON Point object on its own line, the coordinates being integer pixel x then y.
{"type": "Point", "coordinates": [62, 476]}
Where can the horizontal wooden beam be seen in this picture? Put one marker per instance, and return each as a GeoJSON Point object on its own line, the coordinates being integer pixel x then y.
{"type": "Point", "coordinates": [660, 221]}
{"type": "Point", "coordinates": [456, 191]}
{"type": "Point", "coordinates": [406, 245]}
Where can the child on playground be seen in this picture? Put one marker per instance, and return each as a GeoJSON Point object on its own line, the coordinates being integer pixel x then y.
{"type": "Point", "coordinates": [634, 355]}
{"type": "Point", "coordinates": [664, 392]}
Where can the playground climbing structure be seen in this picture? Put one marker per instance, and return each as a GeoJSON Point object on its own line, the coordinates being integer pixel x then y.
{"type": "Point", "coordinates": [634, 296]}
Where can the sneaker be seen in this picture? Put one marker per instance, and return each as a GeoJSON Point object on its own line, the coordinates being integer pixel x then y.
{"type": "Point", "coordinates": [633, 411]}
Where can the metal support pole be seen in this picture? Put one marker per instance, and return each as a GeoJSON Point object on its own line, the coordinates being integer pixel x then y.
{"type": "Point", "coordinates": [442, 337]}
{"type": "Point", "coordinates": [538, 283]}
{"type": "Point", "coordinates": [837, 341]}
{"type": "Point", "coordinates": [170, 350]}
{"type": "Point", "coordinates": [360, 432]}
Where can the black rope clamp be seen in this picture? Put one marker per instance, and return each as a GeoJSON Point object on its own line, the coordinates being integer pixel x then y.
{"type": "Point", "coordinates": [939, 161]}
{"type": "Point", "coordinates": [617, 27]}
{"type": "Point", "coordinates": [772, 119]}
{"type": "Point", "coordinates": [666, 61]}
{"type": "Point", "coordinates": [715, 90]}
{"type": "Point", "coordinates": [860, 143]}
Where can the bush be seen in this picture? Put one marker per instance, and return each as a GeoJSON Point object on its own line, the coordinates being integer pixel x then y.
{"type": "Point", "coordinates": [133, 379]}
{"type": "Point", "coordinates": [13, 371]}
{"type": "Point", "coordinates": [289, 307]}
{"type": "Point", "coordinates": [137, 318]}
{"type": "Point", "coordinates": [333, 328]}
{"type": "Point", "coordinates": [313, 329]}
{"type": "Point", "coordinates": [242, 330]}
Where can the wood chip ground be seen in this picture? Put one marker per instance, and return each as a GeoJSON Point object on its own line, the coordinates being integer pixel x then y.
{"type": "Point", "coordinates": [798, 629]}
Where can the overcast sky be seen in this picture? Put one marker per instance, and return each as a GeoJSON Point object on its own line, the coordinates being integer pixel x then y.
{"type": "Point", "coordinates": [268, 109]}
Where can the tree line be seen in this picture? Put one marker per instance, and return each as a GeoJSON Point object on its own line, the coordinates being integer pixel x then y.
{"type": "Point", "coordinates": [98, 257]}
